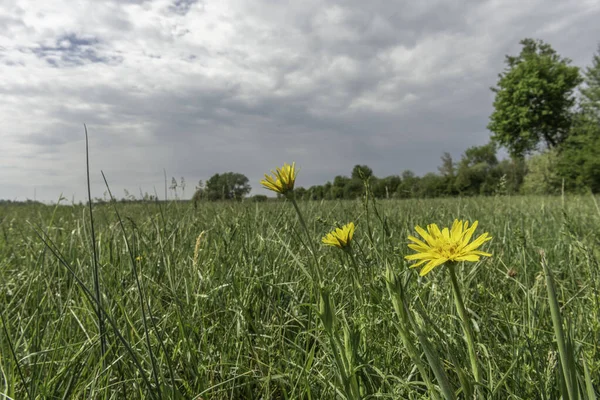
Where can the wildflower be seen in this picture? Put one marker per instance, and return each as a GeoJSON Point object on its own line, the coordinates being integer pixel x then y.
{"type": "Point", "coordinates": [139, 258]}
{"type": "Point", "coordinates": [446, 245]}
{"type": "Point", "coordinates": [340, 237]}
{"type": "Point", "coordinates": [283, 179]}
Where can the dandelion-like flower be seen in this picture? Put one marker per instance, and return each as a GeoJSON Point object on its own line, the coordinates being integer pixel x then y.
{"type": "Point", "coordinates": [340, 237]}
{"type": "Point", "coordinates": [283, 179]}
{"type": "Point", "coordinates": [445, 245]}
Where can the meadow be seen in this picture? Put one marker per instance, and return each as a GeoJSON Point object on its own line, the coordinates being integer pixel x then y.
{"type": "Point", "coordinates": [222, 301]}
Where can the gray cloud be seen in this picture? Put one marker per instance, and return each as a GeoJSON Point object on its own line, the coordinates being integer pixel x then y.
{"type": "Point", "coordinates": [71, 50]}
{"type": "Point", "coordinates": [204, 87]}
{"type": "Point", "coordinates": [182, 7]}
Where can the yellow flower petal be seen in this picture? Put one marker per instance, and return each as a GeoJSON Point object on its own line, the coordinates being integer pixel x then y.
{"type": "Point", "coordinates": [416, 247]}
{"type": "Point", "coordinates": [434, 231]}
{"type": "Point", "coordinates": [417, 241]}
{"type": "Point", "coordinates": [419, 256]}
{"type": "Point", "coordinates": [469, 232]}
{"type": "Point", "coordinates": [281, 180]}
{"type": "Point", "coordinates": [457, 230]}
{"type": "Point", "coordinates": [480, 253]}
{"type": "Point", "coordinates": [446, 234]}
{"type": "Point", "coordinates": [477, 242]}
{"type": "Point", "coordinates": [430, 240]}
{"type": "Point", "coordinates": [448, 244]}
{"type": "Point", "coordinates": [419, 263]}
{"type": "Point", "coordinates": [340, 237]}
{"type": "Point", "coordinates": [432, 264]}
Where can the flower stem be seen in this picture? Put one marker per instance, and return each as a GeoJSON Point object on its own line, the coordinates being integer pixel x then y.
{"type": "Point", "coordinates": [396, 292]}
{"type": "Point", "coordinates": [466, 323]}
{"type": "Point", "coordinates": [356, 268]}
{"type": "Point", "coordinates": [292, 198]}
{"type": "Point", "coordinates": [356, 278]}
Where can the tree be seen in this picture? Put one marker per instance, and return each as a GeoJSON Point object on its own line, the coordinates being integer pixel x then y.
{"type": "Point", "coordinates": [591, 93]}
{"type": "Point", "coordinates": [339, 185]}
{"type": "Point", "coordinates": [384, 188]}
{"type": "Point", "coordinates": [511, 173]}
{"type": "Point", "coordinates": [327, 191]}
{"type": "Point", "coordinates": [259, 198]}
{"type": "Point", "coordinates": [408, 185]}
{"type": "Point", "coordinates": [542, 176]}
{"type": "Point", "coordinates": [315, 192]}
{"type": "Point", "coordinates": [448, 172]}
{"type": "Point", "coordinates": [447, 167]}
{"type": "Point", "coordinates": [430, 185]}
{"type": "Point", "coordinates": [300, 192]}
{"type": "Point", "coordinates": [578, 161]}
{"type": "Point", "coordinates": [199, 194]}
{"type": "Point", "coordinates": [361, 172]}
{"type": "Point", "coordinates": [475, 172]}
{"type": "Point", "coordinates": [534, 99]}
{"type": "Point", "coordinates": [353, 189]}
{"type": "Point", "coordinates": [227, 186]}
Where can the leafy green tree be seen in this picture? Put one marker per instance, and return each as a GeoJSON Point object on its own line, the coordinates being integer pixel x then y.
{"type": "Point", "coordinates": [448, 172]}
{"type": "Point", "coordinates": [542, 176]}
{"type": "Point", "coordinates": [354, 188]}
{"type": "Point", "coordinates": [315, 193]}
{"type": "Point", "coordinates": [579, 159]}
{"type": "Point", "coordinates": [361, 172]}
{"type": "Point", "coordinates": [430, 185]}
{"type": "Point", "coordinates": [510, 173]}
{"type": "Point", "coordinates": [385, 188]}
{"type": "Point", "coordinates": [534, 99]}
{"type": "Point", "coordinates": [476, 171]}
{"type": "Point", "coordinates": [301, 193]}
{"type": "Point", "coordinates": [259, 198]}
{"type": "Point", "coordinates": [328, 191]}
{"type": "Point", "coordinates": [338, 188]}
{"type": "Point", "coordinates": [227, 186]}
{"type": "Point", "coordinates": [591, 92]}
{"type": "Point", "coordinates": [408, 186]}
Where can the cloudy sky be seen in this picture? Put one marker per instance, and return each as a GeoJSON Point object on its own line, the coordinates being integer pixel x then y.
{"type": "Point", "coordinates": [207, 86]}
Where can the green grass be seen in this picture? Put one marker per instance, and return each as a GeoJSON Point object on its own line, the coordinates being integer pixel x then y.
{"type": "Point", "coordinates": [246, 320]}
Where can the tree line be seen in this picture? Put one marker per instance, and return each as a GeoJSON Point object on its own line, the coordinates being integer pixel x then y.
{"type": "Point", "coordinates": [546, 114]}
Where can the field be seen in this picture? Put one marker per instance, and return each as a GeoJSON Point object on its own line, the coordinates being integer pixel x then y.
{"type": "Point", "coordinates": [228, 301]}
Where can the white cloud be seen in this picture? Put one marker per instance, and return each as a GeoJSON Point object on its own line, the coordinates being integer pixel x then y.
{"type": "Point", "coordinates": [203, 87]}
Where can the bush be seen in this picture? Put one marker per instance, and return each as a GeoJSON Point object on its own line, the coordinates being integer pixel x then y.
{"type": "Point", "coordinates": [259, 198]}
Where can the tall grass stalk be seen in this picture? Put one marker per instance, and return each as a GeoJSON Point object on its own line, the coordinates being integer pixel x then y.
{"type": "Point", "coordinates": [466, 323]}
{"type": "Point", "coordinates": [90, 297]}
{"type": "Point", "coordinates": [143, 304]}
{"type": "Point", "coordinates": [567, 359]}
{"type": "Point", "coordinates": [95, 266]}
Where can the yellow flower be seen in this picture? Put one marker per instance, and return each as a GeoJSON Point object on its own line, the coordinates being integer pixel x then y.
{"type": "Point", "coordinates": [446, 245]}
{"type": "Point", "coordinates": [282, 180]}
{"type": "Point", "coordinates": [341, 237]}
